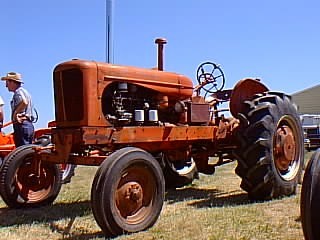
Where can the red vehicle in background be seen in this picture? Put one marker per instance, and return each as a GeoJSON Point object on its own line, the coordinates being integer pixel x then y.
{"type": "Point", "coordinates": [6, 144]}
{"type": "Point", "coordinates": [42, 137]}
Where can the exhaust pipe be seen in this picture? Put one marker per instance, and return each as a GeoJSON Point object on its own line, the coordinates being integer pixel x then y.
{"type": "Point", "coordinates": [160, 42]}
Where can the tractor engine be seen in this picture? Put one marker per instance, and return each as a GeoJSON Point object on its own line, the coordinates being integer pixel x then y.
{"type": "Point", "coordinates": [126, 104]}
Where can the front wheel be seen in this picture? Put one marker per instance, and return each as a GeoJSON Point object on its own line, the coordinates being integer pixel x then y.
{"type": "Point", "coordinates": [310, 198]}
{"type": "Point", "coordinates": [27, 182]}
{"type": "Point", "coordinates": [127, 192]}
{"type": "Point", "coordinates": [270, 157]}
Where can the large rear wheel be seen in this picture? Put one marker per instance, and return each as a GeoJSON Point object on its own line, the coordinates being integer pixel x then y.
{"type": "Point", "coordinates": [127, 192]}
{"type": "Point", "coordinates": [310, 198]}
{"type": "Point", "coordinates": [270, 157]}
{"type": "Point", "coordinates": [27, 182]}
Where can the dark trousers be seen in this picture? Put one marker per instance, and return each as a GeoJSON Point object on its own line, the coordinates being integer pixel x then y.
{"type": "Point", "coordinates": [23, 133]}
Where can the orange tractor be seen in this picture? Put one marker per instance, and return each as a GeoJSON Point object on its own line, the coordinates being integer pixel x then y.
{"type": "Point", "coordinates": [149, 130]}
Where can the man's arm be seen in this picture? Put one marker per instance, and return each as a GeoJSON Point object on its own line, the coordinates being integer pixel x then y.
{"type": "Point", "coordinates": [1, 112]}
{"type": "Point", "coordinates": [1, 117]}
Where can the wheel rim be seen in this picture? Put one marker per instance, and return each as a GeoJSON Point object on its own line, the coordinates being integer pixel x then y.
{"type": "Point", "coordinates": [183, 168]}
{"type": "Point", "coordinates": [135, 194]}
{"type": "Point", "coordinates": [65, 168]}
{"type": "Point", "coordinates": [34, 186]}
{"type": "Point", "coordinates": [287, 148]}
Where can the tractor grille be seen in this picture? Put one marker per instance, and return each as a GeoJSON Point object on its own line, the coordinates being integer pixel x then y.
{"type": "Point", "coordinates": [68, 87]}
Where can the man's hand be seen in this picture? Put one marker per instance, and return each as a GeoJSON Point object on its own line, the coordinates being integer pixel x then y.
{"type": "Point", "coordinates": [20, 117]}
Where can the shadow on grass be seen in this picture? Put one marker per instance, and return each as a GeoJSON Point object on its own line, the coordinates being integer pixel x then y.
{"type": "Point", "coordinates": [50, 214]}
{"type": "Point", "coordinates": [66, 235]}
{"type": "Point", "coordinates": [203, 198]}
{"type": "Point", "coordinates": [199, 198]}
{"type": "Point", "coordinates": [47, 214]}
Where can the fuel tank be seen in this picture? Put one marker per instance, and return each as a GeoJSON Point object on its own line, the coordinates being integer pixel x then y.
{"type": "Point", "coordinates": [173, 85]}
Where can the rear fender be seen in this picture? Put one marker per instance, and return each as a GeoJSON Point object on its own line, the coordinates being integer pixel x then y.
{"type": "Point", "coordinates": [244, 90]}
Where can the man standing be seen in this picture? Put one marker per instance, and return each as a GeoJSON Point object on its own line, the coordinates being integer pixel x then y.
{"type": "Point", "coordinates": [21, 105]}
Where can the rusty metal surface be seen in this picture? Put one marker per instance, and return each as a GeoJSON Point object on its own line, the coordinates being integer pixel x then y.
{"type": "Point", "coordinates": [60, 152]}
{"type": "Point", "coordinates": [34, 180]}
{"type": "Point", "coordinates": [160, 42]}
{"type": "Point", "coordinates": [145, 134]}
{"type": "Point", "coordinates": [198, 113]}
{"type": "Point", "coordinates": [135, 193]}
{"type": "Point", "coordinates": [244, 90]}
{"type": "Point", "coordinates": [148, 138]}
{"type": "Point", "coordinates": [226, 127]}
{"type": "Point", "coordinates": [285, 148]}
{"type": "Point", "coordinates": [64, 157]}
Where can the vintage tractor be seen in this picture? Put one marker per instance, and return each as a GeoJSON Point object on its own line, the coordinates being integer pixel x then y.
{"type": "Point", "coordinates": [149, 129]}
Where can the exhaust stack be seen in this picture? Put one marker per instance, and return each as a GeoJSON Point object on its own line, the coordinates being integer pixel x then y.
{"type": "Point", "coordinates": [160, 42]}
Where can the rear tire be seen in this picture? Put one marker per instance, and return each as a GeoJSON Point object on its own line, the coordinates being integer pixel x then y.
{"type": "Point", "coordinates": [20, 183]}
{"type": "Point", "coordinates": [270, 157]}
{"type": "Point", "coordinates": [127, 192]}
{"type": "Point", "coordinates": [310, 199]}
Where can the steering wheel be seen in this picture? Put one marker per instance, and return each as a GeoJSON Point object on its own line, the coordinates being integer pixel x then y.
{"type": "Point", "coordinates": [210, 77]}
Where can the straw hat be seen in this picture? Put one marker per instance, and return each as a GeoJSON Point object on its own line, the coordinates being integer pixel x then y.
{"type": "Point", "coordinates": [13, 76]}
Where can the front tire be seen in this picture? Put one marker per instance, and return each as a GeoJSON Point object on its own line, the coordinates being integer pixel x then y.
{"type": "Point", "coordinates": [270, 157]}
{"type": "Point", "coordinates": [127, 192]}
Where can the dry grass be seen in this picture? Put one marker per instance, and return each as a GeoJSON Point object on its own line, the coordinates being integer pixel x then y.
{"type": "Point", "coordinates": [214, 207]}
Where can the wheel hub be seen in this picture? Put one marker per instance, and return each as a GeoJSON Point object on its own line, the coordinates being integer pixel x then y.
{"type": "Point", "coordinates": [134, 192]}
{"type": "Point", "coordinates": [129, 198]}
{"type": "Point", "coordinates": [34, 179]}
{"type": "Point", "coordinates": [285, 148]}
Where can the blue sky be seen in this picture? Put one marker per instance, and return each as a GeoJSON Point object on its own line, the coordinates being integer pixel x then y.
{"type": "Point", "coordinates": [277, 41]}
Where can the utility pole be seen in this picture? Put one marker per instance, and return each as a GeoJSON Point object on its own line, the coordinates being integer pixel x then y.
{"type": "Point", "coordinates": [109, 31]}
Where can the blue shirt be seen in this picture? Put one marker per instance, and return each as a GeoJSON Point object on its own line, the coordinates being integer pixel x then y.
{"type": "Point", "coordinates": [18, 96]}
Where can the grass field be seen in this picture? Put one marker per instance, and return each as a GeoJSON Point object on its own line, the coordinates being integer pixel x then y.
{"type": "Point", "coordinates": [214, 207]}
